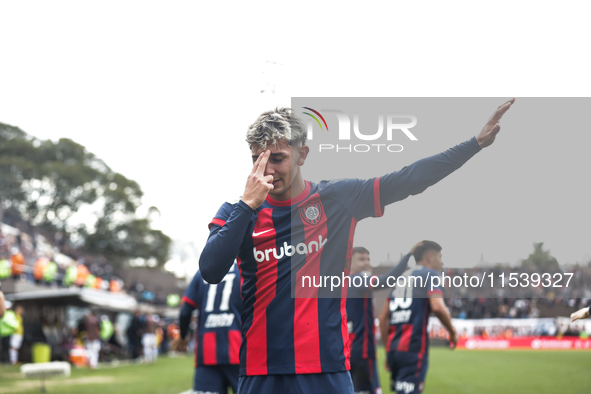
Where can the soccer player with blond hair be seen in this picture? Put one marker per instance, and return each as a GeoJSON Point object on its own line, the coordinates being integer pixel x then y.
{"type": "Point", "coordinates": [285, 228]}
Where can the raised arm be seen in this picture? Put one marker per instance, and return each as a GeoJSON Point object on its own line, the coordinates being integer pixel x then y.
{"type": "Point", "coordinates": [225, 238]}
{"type": "Point", "coordinates": [398, 269]}
{"type": "Point", "coordinates": [418, 176]}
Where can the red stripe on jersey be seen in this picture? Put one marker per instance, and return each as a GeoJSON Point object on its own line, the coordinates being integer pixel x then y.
{"type": "Point", "coordinates": [266, 289]}
{"type": "Point", "coordinates": [344, 327]}
{"type": "Point", "coordinates": [436, 291]}
{"type": "Point", "coordinates": [217, 221]}
{"type": "Point", "coordinates": [404, 342]}
{"type": "Point", "coordinates": [190, 301]}
{"type": "Point", "coordinates": [234, 342]}
{"type": "Point", "coordinates": [238, 261]}
{"type": "Point", "coordinates": [306, 339]}
{"type": "Point", "coordinates": [350, 242]}
{"type": "Point", "coordinates": [209, 349]}
{"type": "Point", "coordinates": [365, 328]}
{"type": "Point", "coordinates": [376, 198]}
{"type": "Point", "coordinates": [423, 339]}
{"type": "Point", "coordinates": [296, 200]}
{"type": "Point", "coordinates": [196, 348]}
{"type": "Point", "coordinates": [391, 335]}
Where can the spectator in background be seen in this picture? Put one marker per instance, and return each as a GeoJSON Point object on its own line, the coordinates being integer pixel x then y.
{"type": "Point", "coordinates": [16, 339]}
{"type": "Point", "coordinates": [149, 339]}
{"type": "Point", "coordinates": [18, 264]}
{"type": "Point", "coordinates": [8, 325]}
{"type": "Point", "coordinates": [134, 336]}
{"type": "Point", "coordinates": [93, 343]}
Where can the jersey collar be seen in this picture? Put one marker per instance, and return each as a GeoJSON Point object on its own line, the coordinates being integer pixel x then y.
{"type": "Point", "coordinates": [296, 200]}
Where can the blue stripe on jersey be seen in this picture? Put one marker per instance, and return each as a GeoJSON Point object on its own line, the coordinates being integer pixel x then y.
{"type": "Point", "coordinates": [409, 311]}
{"type": "Point", "coordinates": [218, 315]}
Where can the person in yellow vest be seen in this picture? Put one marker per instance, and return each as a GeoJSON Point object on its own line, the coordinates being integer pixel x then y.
{"type": "Point", "coordinates": [4, 268]}
{"type": "Point", "coordinates": [71, 275]}
{"type": "Point", "coordinates": [16, 339]}
{"type": "Point", "coordinates": [8, 325]}
{"type": "Point", "coordinates": [49, 273]}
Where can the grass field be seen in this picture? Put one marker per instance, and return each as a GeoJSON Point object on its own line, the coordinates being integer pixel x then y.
{"type": "Point", "coordinates": [457, 372]}
{"type": "Point", "coordinates": [504, 371]}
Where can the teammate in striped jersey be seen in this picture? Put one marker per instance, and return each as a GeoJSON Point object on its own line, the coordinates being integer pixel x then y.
{"type": "Point", "coordinates": [360, 318]}
{"type": "Point", "coordinates": [404, 320]}
{"type": "Point", "coordinates": [285, 229]}
{"type": "Point", "coordinates": [219, 336]}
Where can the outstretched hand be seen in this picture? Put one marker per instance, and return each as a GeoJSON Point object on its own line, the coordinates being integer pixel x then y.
{"type": "Point", "coordinates": [580, 314]}
{"type": "Point", "coordinates": [488, 134]}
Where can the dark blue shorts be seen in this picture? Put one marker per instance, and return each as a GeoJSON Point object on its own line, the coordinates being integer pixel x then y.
{"type": "Point", "coordinates": [364, 373]}
{"type": "Point", "coordinates": [312, 383]}
{"type": "Point", "coordinates": [215, 379]}
{"type": "Point", "coordinates": [408, 371]}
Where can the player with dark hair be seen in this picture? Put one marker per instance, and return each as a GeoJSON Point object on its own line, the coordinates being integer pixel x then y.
{"type": "Point", "coordinates": [404, 320]}
{"type": "Point", "coordinates": [284, 229]}
{"type": "Point", "coordinates": [219, 336]}
{"type": "Point", "coordinates": [360, 319]}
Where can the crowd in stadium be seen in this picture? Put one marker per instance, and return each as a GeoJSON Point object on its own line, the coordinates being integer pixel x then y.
{"type": "Point", "coordinates": [514, 302]}
{"type": "Point", "coordinates": [48, 259]}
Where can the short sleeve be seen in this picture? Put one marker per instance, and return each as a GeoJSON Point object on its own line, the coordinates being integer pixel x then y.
{"type": "Point", "coordinates": [434, 288]}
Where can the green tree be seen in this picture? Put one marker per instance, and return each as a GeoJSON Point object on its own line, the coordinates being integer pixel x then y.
{"type": "Point", "coordinates": [540, 258]}
{"type": "Point", "coordinates": [48, 182]}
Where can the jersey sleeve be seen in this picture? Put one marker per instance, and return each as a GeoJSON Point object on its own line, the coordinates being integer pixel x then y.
{"type": "Point", "coordinates": [191, 296]}
{"type": "Point", "coordinates": [222, 215]}
{"type": "Point", "coordinates": [367, 198]}
{"type": "Point", "coordinates": [227, 231]}
{"type": "Point", "coordinates": [417, 177]}
{"type": "Point", "coordinates": [432, 290]}
{"type": "Point", "coordinates": [360, 197]}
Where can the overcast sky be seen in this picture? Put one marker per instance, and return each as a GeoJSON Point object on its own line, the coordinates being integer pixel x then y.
{"type": "Point", "coordinates": [163, 91]}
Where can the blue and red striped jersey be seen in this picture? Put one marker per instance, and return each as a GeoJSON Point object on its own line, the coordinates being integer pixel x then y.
{"type": "Point", "coordinates": [309, 235]}
{"type": "Point", "coordinates": [288, 327]}
{"type": "Point", "coordinates": [360, 317]}
{"type": "Point", "coordinates": [410, 310]}
{"type": "Point", "coordinates": [360, 310]}
{"type": "Point", "coordinates": [219, 306]}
